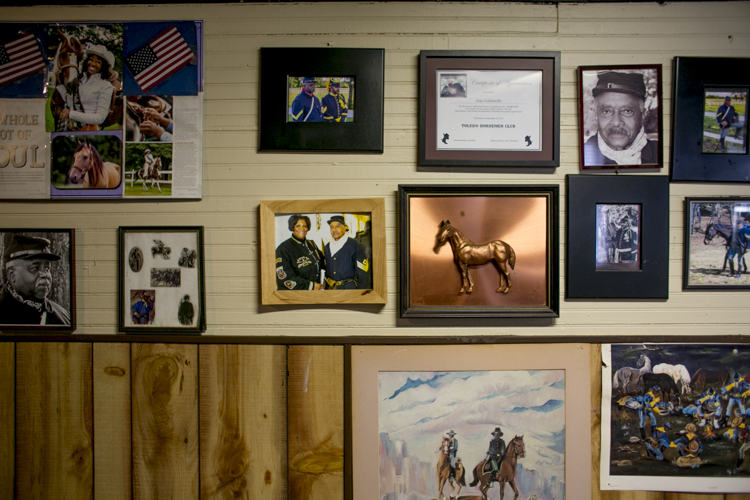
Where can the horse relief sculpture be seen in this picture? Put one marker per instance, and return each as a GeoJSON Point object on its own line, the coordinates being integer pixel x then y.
{"type": "Point", "coordinates": [160, 248]}
{"type": "Point", "coordinates": [466, 253]}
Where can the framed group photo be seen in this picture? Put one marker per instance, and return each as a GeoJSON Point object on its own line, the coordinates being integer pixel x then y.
{"type": "Point", "coordinates": [478, 251]}
{"type": "Point", "coordinates": [162, 280]}
{"type": "Point", "coordinates": [620, 116]}
{"type": "Point", "coordinates": [489, 109]}
{"type": "Point", "coordinates": [323, 251]}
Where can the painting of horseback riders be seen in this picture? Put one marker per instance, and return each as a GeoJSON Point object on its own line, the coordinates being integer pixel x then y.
{"type": "Point", "coordinates": [148, 169]}
{"type": "Point", "coordinates": [82, 164]}
{"type": "Point", "coordinates": [674, 417]}
{"type": "Point", "coordinates": [717, 233]}
{"type": "Point", "coordinates": [617, 237]}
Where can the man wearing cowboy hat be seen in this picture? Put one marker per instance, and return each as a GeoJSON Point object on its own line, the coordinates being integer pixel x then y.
{"type": "Point", "coordinates": [346, 262]}
{"type": "Point", "coordinates": [727, 118]}
{"type": "Point", "coordinates": [620, 109]}
{"type": "Point", "coordinates": [306, 106]}
{"type": "Point", "coordinates": [496, 452]}
{"type": "Point", "coordinates": [27, 262]}
{"type": "Point", "coordinates": [688, 444]}
{"type": "Point", "coordinates": [334, 105]}
{"type": "Point", "coordinates": [452, 451]}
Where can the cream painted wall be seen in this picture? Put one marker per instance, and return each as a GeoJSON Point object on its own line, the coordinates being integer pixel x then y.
{"type": "Point", "coordinates": [237, 177]}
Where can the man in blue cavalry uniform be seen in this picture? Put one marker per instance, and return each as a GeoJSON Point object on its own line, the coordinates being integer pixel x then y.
{"type": "Point", "coordinates": [707, 397]}
{"type": "Point", "coordinates": [334, 104]}
{"type": "Point", "coordinates": [727, 118]}
{"type": "Point", "coordinates": [737, 246]}
{"type": "Point", "coordinates": [737, 390]}
{"type": "Point", "coordinates": [646, 404]}
{"type": "Point", "coordinates": [452, 452]}
{"type": "Point", "coordinates": [306, 107]}
{"type": "Point", "coordinates": [346, 263]}
{"type": "Point", "coordinates": [658, 441]}
{"type": "Point", "coordinates": [689, 444]}
{"type": "Point", "coordinates": [496, 452]}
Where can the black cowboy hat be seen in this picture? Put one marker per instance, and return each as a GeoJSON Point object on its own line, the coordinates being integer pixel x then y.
{"type": "Point", "coordinates": [497, 432]}
{"type": "Point", "coordinates": [18, 246]}
{"type": "Point", "coordinates": [623, 83]}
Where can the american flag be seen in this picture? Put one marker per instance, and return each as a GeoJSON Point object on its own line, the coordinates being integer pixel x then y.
{"type": "Point", "coordinates": [19, 58]}
{"type": "Point", "coordinates": [159, 58]}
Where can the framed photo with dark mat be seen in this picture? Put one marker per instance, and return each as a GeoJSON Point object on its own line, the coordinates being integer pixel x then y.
{"type": "Point", "coordinates": [162, 284]}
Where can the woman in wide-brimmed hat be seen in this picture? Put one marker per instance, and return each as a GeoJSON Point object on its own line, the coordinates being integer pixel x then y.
{"type": "Point", "coordinates": [92, 102]}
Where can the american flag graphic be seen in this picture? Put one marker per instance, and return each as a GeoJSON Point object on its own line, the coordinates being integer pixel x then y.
{"type": "Point", "coordinates": [159, 58]}
{"type": "Point", "coordinates": [19, 58]}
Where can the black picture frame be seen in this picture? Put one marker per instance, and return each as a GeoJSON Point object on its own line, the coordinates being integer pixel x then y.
{"type": "Point", "coordinates": [364, 135]}
{"type": "Point", "coordinates": [483, 213]}
{"type": "Point", "coordinates": [152, 254]}
{"type": "Point", "coordinates": [582, 279]}
{"type": "Point", "coordinates": [692, 76]}
{"type": "Point", "coordinates": [430, 61]}
{"type": "Point", "coordinates": [61, 297]}
{"type": "Point", "coordinates": [709, 244]}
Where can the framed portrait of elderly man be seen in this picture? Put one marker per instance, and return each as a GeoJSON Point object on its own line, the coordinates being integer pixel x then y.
{"type": "Point", "coordinates": [38, 280]}
{"type": "Point", "coordinates": [323, 252]}
{"type": "Point", "coordinates": [620, 116]}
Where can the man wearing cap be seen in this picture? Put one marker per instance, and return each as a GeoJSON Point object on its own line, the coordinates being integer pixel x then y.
{"type": "Point", "coordinates": [627, 242]}
{"type": "Point", "coordinates": [346, 262]}
{"type": "Point", "coordinates": [496, 452]}
{"type": "Point", "coordinates": [727, 118]}
{"type": "Point", "coordinates": [90, 104]}
{"type": "Point", "coordinates": [334, 104]}
{"type": "Point", "coordinates": [27, 262]}
{"type": "Point", "coordinates": [306, 107]}
{"type": "Point", "coordinates": [620, 109]}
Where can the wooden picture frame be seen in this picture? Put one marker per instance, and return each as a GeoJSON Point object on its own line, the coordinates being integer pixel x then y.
{"type": "Point", "coordinates": [637, 266]}
{"type": "Point", "coordinates": [698, 86]}
{"type": "Point", "coordinates": [162, 280]}
{"type": "Point", "coordinates": [709, 246]}
{"type": "Point", "coordinates": [621, 94]}
{"type": "Point", "coordinates": [274, 216]}
{"type": "Point", "coordinates": [49, 306]}
{"type": "Point", "coordinates": [366, 67]}
{"type": "Point", "coordinates": [466, 388]}
{"type": "Point", "coordinates": [454, 128]}
{"type": "Point", "coordinates": [432, 283]}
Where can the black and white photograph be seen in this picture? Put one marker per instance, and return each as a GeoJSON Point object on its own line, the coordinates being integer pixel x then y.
{"type": "Point", "coordinates": [157, 296]}
{"type": "Point", "coordinates": [617, 237]}
{"type": "Point", "coordinates": [620, 116]}
{"type": "Point", "coordinates": [38, 279]}
{"type": "Point", "coordinates": [327, 99]}
{"type": "Point", "coordinates": [724, 121]}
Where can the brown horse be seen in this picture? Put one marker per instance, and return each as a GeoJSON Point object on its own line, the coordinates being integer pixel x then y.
{"type": "Point", "coordinates": [89, 171]}
{"type": "Point", "coordinates": [149, 173]}
{"type": "Point", "coordinates": [466, 253]}
{"type": "Point", "coordinates": [444, 471]}
{"type": "Point", "coordinates": [507, 474]}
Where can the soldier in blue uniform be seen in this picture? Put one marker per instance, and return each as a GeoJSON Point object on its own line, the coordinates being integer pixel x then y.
{"type": "Point", "coordinates": [727, 118]}
{"type": "Point", "coordinates": [306, 107]}
{"type": "Point", "coordinates": [658, 441]}
{"type": "Point", "coordinates": [737, 246]}
{"type": "Point", "coordinates": [347, 266]}
{"type": "Point", "coordinates": [298, 260]}
{"type": "Point", "coordinates": [334, 104]}
{"type": "Point", "coordinates": [496, 452]}
{"type": "Point", "coordinates": [737, 390]}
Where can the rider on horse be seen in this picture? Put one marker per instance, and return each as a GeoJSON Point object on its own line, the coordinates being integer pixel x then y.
{"type": "Point", "coordinates": [452, 450]}
{"type": "Point", "coordinates": [496, 452]}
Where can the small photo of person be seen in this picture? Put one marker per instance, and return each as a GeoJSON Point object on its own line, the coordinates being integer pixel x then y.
{"type": "Point", "coordinates": [724, 121]}
{"type": "Point", "coordinates": [148, 118]}
{"type": "Point", "coordinates": [618, 237]}
{"type": "Point", "coordinates": [148, 169]}
{"type": "Point", "coordinates": [142, 306]}
{"type": "Point", "coordinates": [321, 99]}
{"type": "Point", "coordinates": [453, 85]}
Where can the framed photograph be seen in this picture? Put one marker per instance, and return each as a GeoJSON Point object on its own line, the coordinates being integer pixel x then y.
{"type": "Point", "coordinates": [479, 251]}
{"type": "Point", "coordinates": [489, 108]}
{"type": "Point", "coordinates": [717, 233]}
{"type": "Point", "coordinates": [38, 276]}
{"type": "Point", "coordinates": [620, 116]}
{"type": "Point", "coordinates": [617, 236]}
{"type": "Point", "coordinates": [673, 418]}
{"type": "Point", "coordinates": [325, 100]}
{"type": "Point", "coordinates": [441, 410]}
{"type": "Point", "coordinates": [323, 252]}
{"type": "Point", "coordinates": [709, 128]}
{"type": "Point", "coordinates": [162, 284]}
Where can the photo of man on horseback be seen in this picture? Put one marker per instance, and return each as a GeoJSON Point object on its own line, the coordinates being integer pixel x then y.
{"type": "Point", "coordinates": [449, 467]}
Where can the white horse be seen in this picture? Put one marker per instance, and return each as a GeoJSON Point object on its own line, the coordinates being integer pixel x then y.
{"type": "Point", "coordinates": [628, 376]}
{"type": "Point", "coordinates": [679, 374]}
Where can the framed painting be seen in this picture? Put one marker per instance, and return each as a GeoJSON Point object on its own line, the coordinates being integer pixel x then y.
{"type": "Point", "coordinates": [162, 284]}
{"type": "Point", "coordinates": [489, 108]}
{"type": "Point", "coordinates": [617, 235]}
{"type": "Point", "coordinates": [717, 232]}
{"type": "Point", "coordinates": [325, 100]}
{"type": "Point", "coordinates": [413, 404]}
{"type": "Point", "coordinates": [478, 251]}
{"type": "Point", "coordinates": [38, 276]}
{"type": "Point", "coordinates": [620, 118]}
{"type": "Point", "coordinates": [673, 418]}
{"type": "Point", "coordinates": [709, 120]}
{"type": "Point", "coordinates": [323, 251]}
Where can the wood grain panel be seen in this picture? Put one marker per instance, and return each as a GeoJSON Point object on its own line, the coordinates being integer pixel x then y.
{"type": "Point", "coordinates": [7, 418]}
{"type": "Point", "coordinates": [54, 449]}
{"type": "Point", "coordinates": [741, 496]}
{"type": "Point", "coordinates": [112, 457]}
{"type": "Point", "coordinates": [165, 421]}
{"type": "Point", "coordinates": [316, 422]}
{"type": "Point", "coordinates": [691, 496]}
{"type": "Point", "coordinates": [243, 422]}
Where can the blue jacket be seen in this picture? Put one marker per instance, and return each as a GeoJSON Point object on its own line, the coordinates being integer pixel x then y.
{"type": "Point", "coordinates": [349, 262]}
{"type": "Point", "coordinates": [301, 108]}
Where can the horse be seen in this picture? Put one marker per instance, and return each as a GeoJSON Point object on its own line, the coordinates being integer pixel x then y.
{"type": "Point", "coordinates": [679, 374]}
{"type": "Point", "coordinates": [152, 172]}
{"type": "Point", "coordinates": [664, 382]}
{"type": "Point", "coordinates": [89, 171]}
{"type": "Point", "coordinates": [444, 471]}
{"type": "Point", "coordinates": [466, 253]}
{"type": "Point", "coordinates": [703, 376]}
{"type": "Point", "coordinates": [507, 474]}
{"type": "Point", "coordinates": [626, 376]}
{"type": "Point", "coordinates": [725, 232]}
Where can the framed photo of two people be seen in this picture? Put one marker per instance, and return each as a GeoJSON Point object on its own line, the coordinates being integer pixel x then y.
{"type": "Point", "coordinates": [323, 251]}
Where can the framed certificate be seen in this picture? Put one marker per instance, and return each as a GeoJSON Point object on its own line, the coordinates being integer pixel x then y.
{"type": "Point", "coordinates": [489, 109]}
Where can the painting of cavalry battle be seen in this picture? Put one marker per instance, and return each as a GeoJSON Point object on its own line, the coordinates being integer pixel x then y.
{"type": "Point", "coordinates": [674, 417]}
{"type": "Point", "coordinates": [472, 435]}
